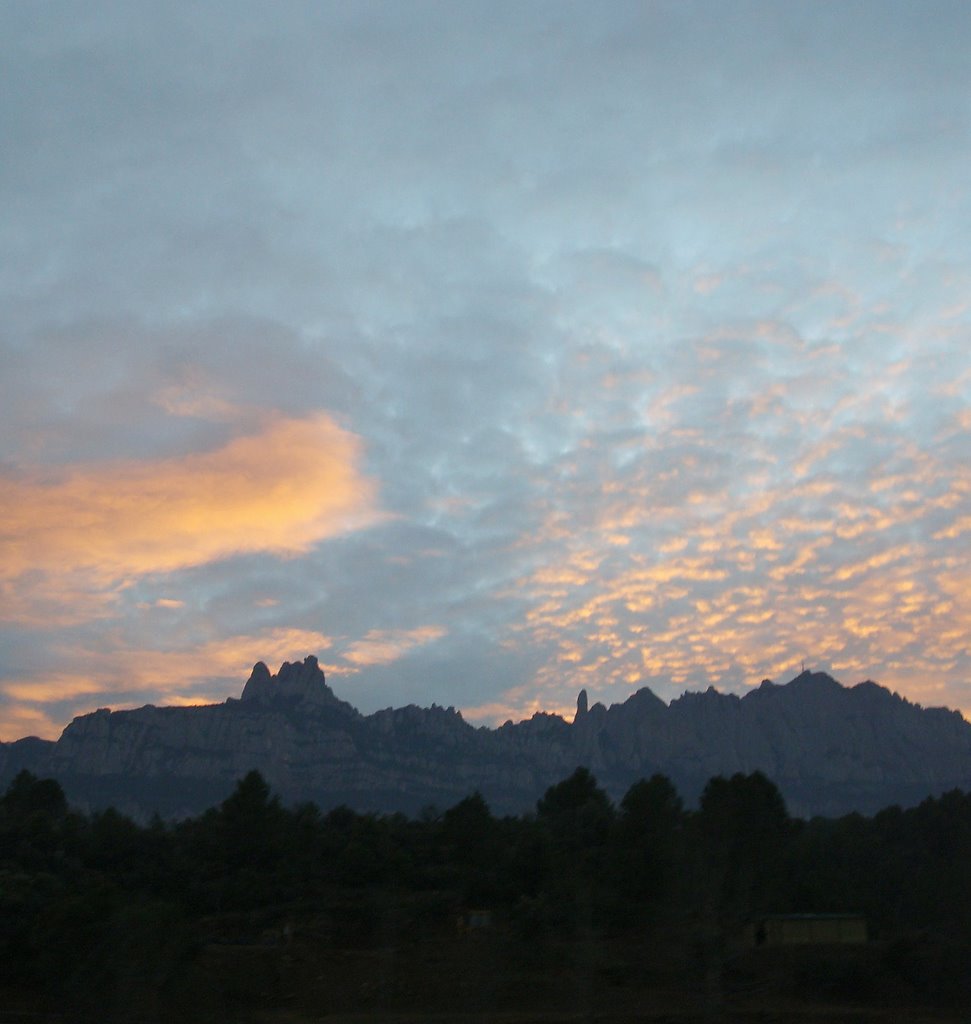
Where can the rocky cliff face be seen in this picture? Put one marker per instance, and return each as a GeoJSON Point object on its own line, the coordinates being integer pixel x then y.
{"type": "Point", "coordinates": [829, 748]}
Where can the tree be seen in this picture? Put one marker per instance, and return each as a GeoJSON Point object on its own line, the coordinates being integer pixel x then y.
{"type": "Point", "coordinates": [232, 857]}
{"type": "Point", "coordinates": [651, 810]}
{"type": "Point", "coordinates": [28, 795]}
{"type": "Point", "coordinates": [470, 841]}
{"type": "Point", "coordinates": [648, 843]}
{"type": "Point", "coordinates": [744, 828]}
{"type": "Point", "coordinates": [577, 811]}
{"type": "Point", "coordinates": [576, 817]}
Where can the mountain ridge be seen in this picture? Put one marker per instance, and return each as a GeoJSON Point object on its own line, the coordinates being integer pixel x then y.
{"type": "Point", "coordinates": [830, 749]}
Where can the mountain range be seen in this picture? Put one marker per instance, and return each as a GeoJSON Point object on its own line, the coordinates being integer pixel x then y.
{"type": "Point", "coordinates": [830, 749]}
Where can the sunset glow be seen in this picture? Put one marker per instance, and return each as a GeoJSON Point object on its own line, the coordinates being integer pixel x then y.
{"type": "Point", "coordinates": [96, 526]}
{"type": "Point", "coordinates": [484, 353]}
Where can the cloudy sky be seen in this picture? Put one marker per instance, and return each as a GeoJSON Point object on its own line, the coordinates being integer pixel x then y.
{"type": "Point", "coordinates": [485, 350]}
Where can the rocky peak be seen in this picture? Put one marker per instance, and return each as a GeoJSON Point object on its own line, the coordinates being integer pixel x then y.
{"type": "Point", "coordinates": [260, 683]}
{"type": "Point", "coordinates": [830, 749]}
{"type": "Point", "coordinates": [808, 680]}
{"type": "Point", "coordinates": [645, 702]}
{"type": "Point", "coordinates": [296, 681]}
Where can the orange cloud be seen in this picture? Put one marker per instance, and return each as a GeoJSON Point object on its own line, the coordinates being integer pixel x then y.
{"type": "Point", "coordinates": [754, 583]}
{"type": "Point", "coordinates": [123, 677]}
{"type": "Point", "coordinates": [382, 647]}
{"type": "Point", "coordinates": [95, 526]}
{"type": "Point", "coordinates": [21, 720]}
{"type": "Point", "coordinates": [197, 675]}
{"type": "Point", "coordinates": [516, 704]}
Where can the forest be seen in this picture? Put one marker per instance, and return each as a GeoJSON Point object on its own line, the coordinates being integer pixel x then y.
{"type": "Point", "coordinates": [583, 909]}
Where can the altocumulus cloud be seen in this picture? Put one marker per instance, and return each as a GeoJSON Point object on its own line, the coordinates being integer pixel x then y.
{"type": "Point", "coordinates": [650, 321]}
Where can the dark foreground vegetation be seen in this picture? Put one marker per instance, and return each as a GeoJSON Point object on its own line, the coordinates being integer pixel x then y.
{"type": "Point", "coordinates": [581, 911]}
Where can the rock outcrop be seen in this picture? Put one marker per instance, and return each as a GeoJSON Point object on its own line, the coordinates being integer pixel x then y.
{"type": "Point", "coordinates": [830, 749]}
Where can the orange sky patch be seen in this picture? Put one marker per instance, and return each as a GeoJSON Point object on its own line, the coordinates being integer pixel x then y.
{"type": "Point", "coordinates": [197, 675]}
{"type": "Point", "coordinates": [93, 526]}
{"type": "Point", "coordinates": [203, 674]}
{"type": "Point", "coordinates": [382, 647]}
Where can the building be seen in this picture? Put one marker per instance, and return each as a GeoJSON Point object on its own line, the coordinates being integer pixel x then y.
{"type": "Point", "coordinates": [808, 930]}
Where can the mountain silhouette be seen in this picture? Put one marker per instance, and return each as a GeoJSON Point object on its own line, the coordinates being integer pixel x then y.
{"type": "Point", "coordinates": [830, 749]}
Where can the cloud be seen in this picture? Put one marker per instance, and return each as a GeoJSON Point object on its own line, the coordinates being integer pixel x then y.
{"type": "Point", "coordinates": [97, 526]}
{"type": "Point", "coordinates": [114, 674]}
{"type": "Point", "coordinates": [382, 647]}
{"type": "Point", "coordinates": [738, 566]}
{"type": "Point", "coordinates": [651, 323]}
{"type": "Point", "coordinates": [128, 670]}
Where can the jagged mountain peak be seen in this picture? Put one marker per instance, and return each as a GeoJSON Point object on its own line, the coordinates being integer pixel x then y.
{"type": "Point", "coordinates": [868, 688]}
{"type": "Point", "coordinates": [830, 748]}
{"type": "Point", "coordinates": [296, 681]}
{"type": "Point", "coordinates": [709, 697]}
{"type": "Point", "coordinates": [808, 686]}
{"type": "Point", "coordinates": [807, 679]}
{"type": "Point", "coordinates": [643, 704]}
{"type": "Point", "coordinates": [259, 683]}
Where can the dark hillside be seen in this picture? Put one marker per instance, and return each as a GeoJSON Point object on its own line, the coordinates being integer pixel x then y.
{"type": "Point", "coordinates": [582, 909]}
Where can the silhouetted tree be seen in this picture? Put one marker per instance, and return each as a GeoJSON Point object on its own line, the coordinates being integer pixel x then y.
{"type": "Point", "coordinates": [577, 812]}
{"type": "Point", "coordinates": [744, 828]}
{"type": "Point", "coordinates": [28, 795]}
{"type": "Point", "coordinates": [470, 846]}
{"type": "Point", "coordinates": [647, 846]}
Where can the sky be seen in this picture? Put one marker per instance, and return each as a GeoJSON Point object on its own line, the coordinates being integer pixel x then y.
{"type": "Point", "coordinates": [485, 350]}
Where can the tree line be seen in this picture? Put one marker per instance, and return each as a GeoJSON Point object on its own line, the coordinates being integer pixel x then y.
{"type": "Point", "coordinates": [96, 903]}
